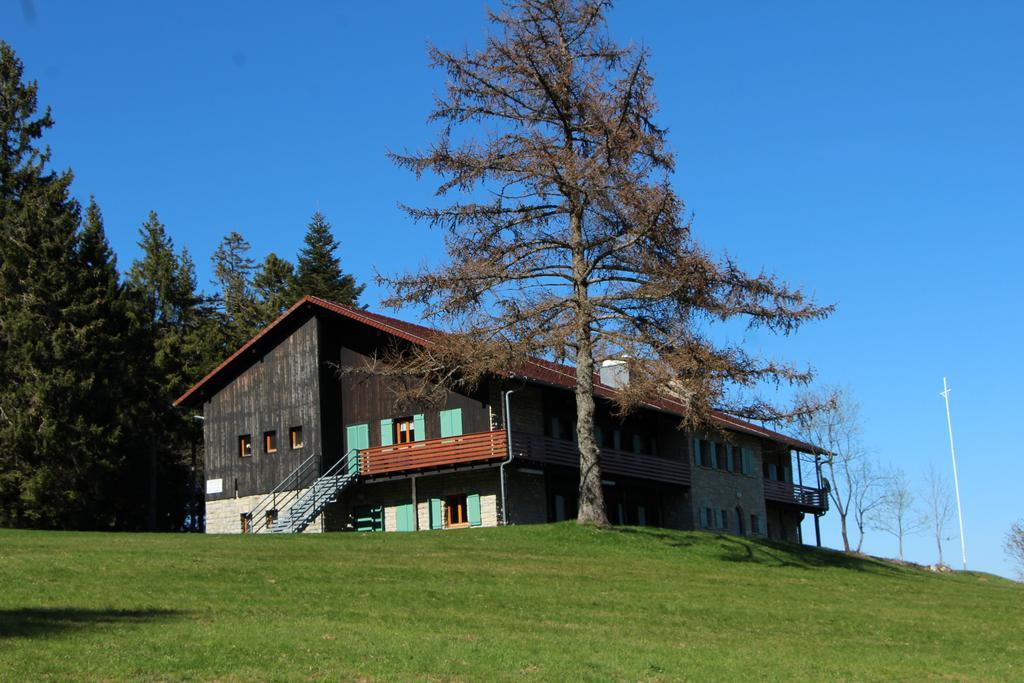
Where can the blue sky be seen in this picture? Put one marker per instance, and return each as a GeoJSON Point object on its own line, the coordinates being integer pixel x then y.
{"type": "Point", "coordinates": [868, 151]}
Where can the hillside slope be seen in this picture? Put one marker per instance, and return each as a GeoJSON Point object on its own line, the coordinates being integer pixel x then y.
{"type": "Point", "coordinates": [549, 602]}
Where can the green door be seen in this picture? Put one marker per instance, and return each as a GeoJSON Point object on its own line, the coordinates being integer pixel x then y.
{"type": "Point", "coordinates": [357, 438]}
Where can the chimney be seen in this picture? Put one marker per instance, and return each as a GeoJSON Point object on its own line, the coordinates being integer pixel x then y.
{"type": "Point", "coordinates": [614, 373]}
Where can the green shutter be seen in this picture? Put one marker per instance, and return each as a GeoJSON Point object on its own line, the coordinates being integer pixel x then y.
{"type": "Point", "coordinates": [599, 435]}
{"type": "Point", "coordinates": [386, 432]}
{"type": "Point", "coordinates": [368, 518]}
{"type": "Point", "coordinates": [451, 423]}
{"type": "Point", "coordinates": [473, 509]}
{"type": "Point", "coordinates": [419, 428]}
{"type": "Point", "coordinates": [617, 440]}
{"type": "Point", "coordinates": [773, 471]}
{"type": "Point", "coordinates": [357, 438]}
{"type": "Point", "coordinates": [559, 508]}
{"type": "Point", "coordinates": [696, 450]}
{"type": "Point", "coordinates": [404, 517]}
{"type": "Point", "coordinates": [748, 461]}
{"type": "Point", "coordinates": [641, 515]}
{"type": "Point", "coordinates": [703, 517]}
{"type": "Point", "coordinates": [728, 457]}
{"type": "Point", "coordinates": [436, 520]}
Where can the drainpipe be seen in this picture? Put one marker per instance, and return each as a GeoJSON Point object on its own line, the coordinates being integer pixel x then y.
{"type": "Point", "coordinates": [501, 469]}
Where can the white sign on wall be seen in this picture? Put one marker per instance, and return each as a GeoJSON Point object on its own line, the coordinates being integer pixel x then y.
{"type": "Point", "coordinates": [214, 485]}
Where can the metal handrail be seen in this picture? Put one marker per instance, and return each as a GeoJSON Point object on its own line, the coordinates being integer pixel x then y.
{"type": "Point", "coordinates": [287, 492]}
{"type": "Point", "coordinates": [284, 493]}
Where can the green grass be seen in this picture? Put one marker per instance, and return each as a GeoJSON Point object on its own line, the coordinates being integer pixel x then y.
{"type": "Point", "coordinates": [554, 602]}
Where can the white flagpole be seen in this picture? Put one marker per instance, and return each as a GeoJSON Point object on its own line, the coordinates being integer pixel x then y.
{"type": "Point", "coordinates": [956, 480]}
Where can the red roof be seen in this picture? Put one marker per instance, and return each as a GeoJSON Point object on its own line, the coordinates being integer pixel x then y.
{"type": "Point", "coordinates": [537, 369]}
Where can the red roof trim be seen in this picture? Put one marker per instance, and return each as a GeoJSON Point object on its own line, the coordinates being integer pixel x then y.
{"type": "Point", "coordinates": [538, 369]}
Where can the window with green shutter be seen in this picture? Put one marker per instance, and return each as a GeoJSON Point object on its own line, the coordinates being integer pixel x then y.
{"type": "Point", "coordinates": [404, 517]}
{"type": "Point", "coordinates": [357, 438]}
{"type": "Point", "coordinates": [387, 432]}
{"type": "Point", "coordinates": [748, 461]}
{"type": "Point", "coordinates": [419, 428]}
{"type": "Point", "coordinates": [436, 514]}
{"type": "Point", "coordinates": [473, 508]}
{"type": "Point", "coordinates": [451, 423]}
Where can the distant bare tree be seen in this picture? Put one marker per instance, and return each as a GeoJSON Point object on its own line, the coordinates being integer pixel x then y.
{"type": "Point", "coordinates": [939, 504]}
{"type": "Point", "coordinates": [836, 429]}
{"type": "Point", "coordinates": [1015, 546]}
{"type": "Point", "coordinates": [897, 515]}
{"type": "Point", "coordinates": [867, 490]}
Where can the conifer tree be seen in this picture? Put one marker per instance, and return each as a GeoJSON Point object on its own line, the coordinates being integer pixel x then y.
{"type": "Point", "coordinates": [274, 286]}
{"type": "Point", "coordinates": [64, 335]}
{"type": "Point", "coordinates": [319, 269]}
{"type": "Point", "coordinates": [232, 272]}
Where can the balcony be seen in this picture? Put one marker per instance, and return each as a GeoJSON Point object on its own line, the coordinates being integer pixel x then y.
{"type": "Point", "coordinates": [476, 448]}
{"type": "Point", "coordinates": [795, 495]}
{"type": "Point", "coordinates": [550, 451]}
{"type": "Point", "coordinates": [485, 447]}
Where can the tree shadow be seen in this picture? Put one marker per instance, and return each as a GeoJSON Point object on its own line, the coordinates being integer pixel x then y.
{"type": "Point", "coordinates": [42, 622]}
{"type": "Point", "coordinates": [765, 552]}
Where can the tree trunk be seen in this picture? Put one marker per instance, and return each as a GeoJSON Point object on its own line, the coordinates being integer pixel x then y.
{"type": "Point", "coordinates": [591, 495]}
{"type": "Point", "coordinates": [938, 542]}
{"type": "Point", "coordinates": [842, 528]}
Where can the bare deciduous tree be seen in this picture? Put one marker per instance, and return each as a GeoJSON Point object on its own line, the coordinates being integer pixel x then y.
{"type": "Point", "coordinates": [939, 504]}
{"type": "Point", "coordinates": [867, 492]}
{"type": "Point", "coordinates": [897, 515]}
{"type": "Point", "coordinates": [852, 486]}
{"type": "Point", "coordinates": [1015, 546]}
{"type": "Point", "coordinates": [567, 240]}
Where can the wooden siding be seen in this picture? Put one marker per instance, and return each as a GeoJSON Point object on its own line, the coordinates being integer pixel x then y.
{"type": "Point", "coordinates": [367, 398]}
{"type": "Point", "coordinates": [277, 391]}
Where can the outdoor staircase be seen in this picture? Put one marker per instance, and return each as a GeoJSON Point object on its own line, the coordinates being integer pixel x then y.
{"type": "Point", "coordinates": [302, 495]}
{"type": "Point", "coordinates": [311, 503]}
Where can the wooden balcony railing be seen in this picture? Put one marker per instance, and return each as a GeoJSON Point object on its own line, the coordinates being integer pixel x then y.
{"type": "Point", "coordinates": [794, 494]}
{"type": "Point", "coordinates": [557, 452]}
{"type": "Point", "coordinates": [420, 455]}
{"type": "Point", "coordinates": [491, 447]}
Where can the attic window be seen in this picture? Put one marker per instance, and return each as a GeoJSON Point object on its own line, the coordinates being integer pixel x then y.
{"type": "Point", "coordinates": [245, 446]}
{"type": "Point", "coordinates": [295, 437]}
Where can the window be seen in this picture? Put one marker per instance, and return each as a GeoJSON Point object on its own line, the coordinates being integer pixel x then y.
{"type": "Point", "coordinates": [708, 516]}
{"type": "Point", "coordinates": [720, 456]}
{"type": "Point", "coordinates": [705, 453]}
{"type": "Point", "coordinates": [455, 512]}
{"type": "Point", "coordinates": [295, 437]}
{"type": "Point", "coordinates": [404, 430]}
{"type": "Point", "coordinates": [451, 423]}
{"type": "Point", "coordinates": [755, 524]}
{"type": "Point", "coordinates": [723, 519]}
{"type": "Point", "coordinates": [773, 472]}
{"type": "Point", "coordinates": [270, 442]}
{"type": "Point", "coordinates": [245, 445]}
{"type": "Point", "coordinates": [245, 522]}
{"type": "Point", "coordinates": [271, 517]}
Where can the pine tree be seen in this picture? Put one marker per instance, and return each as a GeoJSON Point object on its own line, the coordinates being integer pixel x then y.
{"type": "Point", "coordinates": [319, 270]}
{"type": "Point", "coordinates": [274, 286]}
{"type": "Point", "coordinates": [64, 335]}
{"type": "Point", "coordinates": [232, 272]}
{"type": "Point", "coordinates": [182, 342]}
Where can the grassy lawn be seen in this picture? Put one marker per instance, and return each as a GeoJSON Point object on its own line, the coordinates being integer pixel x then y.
{"type": "Point", "coordinates": [545, 602]}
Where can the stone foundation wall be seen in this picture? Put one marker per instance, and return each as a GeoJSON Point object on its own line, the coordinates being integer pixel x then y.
{"type": "Point", "coordinates": [224, 516]}
{"type": "Point", "coordinates": [527, 497]}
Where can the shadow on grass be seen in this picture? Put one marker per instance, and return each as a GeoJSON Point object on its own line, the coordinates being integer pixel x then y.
{"type": "Point", "coordinates": [41, 622]}
{"type": "Point", "coordinates": [770, 553]}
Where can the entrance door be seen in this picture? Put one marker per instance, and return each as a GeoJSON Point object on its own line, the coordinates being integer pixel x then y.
{"type": "Point", "coordinates": [357, 438]}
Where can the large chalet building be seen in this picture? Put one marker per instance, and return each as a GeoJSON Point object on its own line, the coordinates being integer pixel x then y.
{"type": "Point", "coordinates": [293, 444]}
